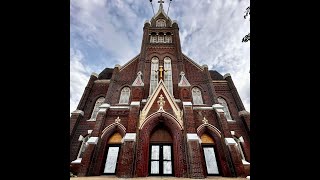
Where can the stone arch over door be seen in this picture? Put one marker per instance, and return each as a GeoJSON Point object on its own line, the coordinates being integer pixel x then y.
{"type": "Point", "coordinates": [219, 146]}
{"type": "Point", "coordinates": [176, 133]}
{"type": "Point", "coordinates": [97, 159]}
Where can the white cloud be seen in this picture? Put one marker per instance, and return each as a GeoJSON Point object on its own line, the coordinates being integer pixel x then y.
{"type": "Point", "coordinates": [210, 33]}
{"type": "Point", "coordinates": [79, 77]}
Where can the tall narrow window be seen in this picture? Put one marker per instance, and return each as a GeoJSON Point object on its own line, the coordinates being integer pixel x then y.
{"type": "Point", "coordinates": [225, 107]}
{"type": "Point", "coordinates": [168, 74]}
{"type": "Point", "coordinates": [161, 38]}
{"type": "Point", "coordinates": [161, 23]}
{"type": "Point", "coordinates": [154, 74]}
{"type": "Point", "coordinates": [99, 102]}
{"type": "Point", "coordinates": [153, 39]}
{"type": "Point", "coordinates": [168, 39]}
{"type": "Point", "coordinates": [125, 95]}
{"type": "Point", "coordinates": [196, 95]}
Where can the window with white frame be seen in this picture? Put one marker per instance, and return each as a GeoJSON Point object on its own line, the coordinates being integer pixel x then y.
{"type": "Point", "coordinates": [196, 96]}
{"type": "Point", "coordinates": [153, 39]}
{"type": "Point", "coordinates": [161, 38]}
{"type": "Point", "coordinates": [161, 23]}
{"type": "Point", "coordinates": [223, 102]}
{"type": "Point", "coordinates": [83, 147]}
{"type": "Point", "coordinates": [125, 95]}
{"type": "Point", "coordinates": [154, 74]}
{"type": "Point", "coordinates": [99, 102]}
{"type": "Point", "coordinates": [168, 74]}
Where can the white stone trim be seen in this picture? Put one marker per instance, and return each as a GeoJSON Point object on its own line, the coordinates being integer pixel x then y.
{"type": "Point", "coordinates": [245, 162]}
{"type": "Point", "coordinates": [118, 66]}
{"type": "Point", "coordinates": [217, 106]}
{"type": "Point", "coordinates": [204, 66]}
{"type": "Point", "coordinates": [135, 103]}
{"type": "Point", "coordinates": [244, 112]}
{"type": "Point", "coordinates": [202, 108]}
{"type": "Point", "coordinates": [93, 140]}
{"type": "Point", "coordinates": [230, 141]}
{"type": "Point", "coordinates": [177, 100]}
{"type": "Point", "coordinates": [77, 161]}
{"type": "Point", "coordinates": [80, 138]}
{"type": "Point", "coordinates": [241, 139]}
{"type": "Point", "coordinates": [78, 112]}
{"type": "Point", "coordinates": [102, 81]}
{"type": "Point", "coordinates": [232, 133]}
{"type": "Point", "coordinates": [129, 137]}
{"type": "Point", "coordinates": [89, 131]}
{"type": "Point", "coordinates": [219, 110]}
{"type": "Point", "coordinates": [144, 100]}
{"type": "Point", "coordinates": [187, 103]}
{"type": "Point", "coordinates": [119, 107]}
{"type": "Point", "coordinates": [193, 137]}
{"type": "Point", "coordinates": [231, 120]}
{"type": "Point", "coordinates": [92, 119]}
{"type": "Point", "coordinates": [94, 74]}
{"type": "Point", "coordinates": [226, 75]}
{"type": "Point", "coordinates": [104, 105]}
{"type": "Point", "coordinates": [248, 177]}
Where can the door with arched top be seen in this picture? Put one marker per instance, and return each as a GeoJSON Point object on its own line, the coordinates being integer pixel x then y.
{"type": "Point", "coordinates": [112, 154]}
{"type": "Point", "coordinates": [161, 153]}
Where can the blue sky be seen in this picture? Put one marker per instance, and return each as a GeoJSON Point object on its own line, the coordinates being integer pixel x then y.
{"type": "Point", "coordinates": [104, 33]}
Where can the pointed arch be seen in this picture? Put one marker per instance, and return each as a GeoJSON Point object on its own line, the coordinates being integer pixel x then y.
{"type": "Point", "coordinates": [124, 95]}
{"type": "Point", "coordinates": [95, 110]}
{"type": "Point", "coordinates": [197, 95]}
{"type": "Point", "coordinates": [226, 110]}
{"type": "Point", "coordinates": [161, 114]}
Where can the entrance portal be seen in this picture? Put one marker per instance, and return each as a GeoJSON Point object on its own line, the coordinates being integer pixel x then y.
{"type": "Point", "coordinates": [161, 153]}
{"type": "Point", "coordinates": [112, 154]}
{"type": "Point", "coordinates": [209, 155]}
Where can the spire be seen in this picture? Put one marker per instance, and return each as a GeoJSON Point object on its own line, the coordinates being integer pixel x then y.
{"type": "Point", "coordinates": [161, 6]}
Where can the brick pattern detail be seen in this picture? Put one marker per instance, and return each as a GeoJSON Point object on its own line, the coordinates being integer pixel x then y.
{"type": "Point", "coordinates": [126, 160]}
{"type": "Point", "coordinates": [196, 167]}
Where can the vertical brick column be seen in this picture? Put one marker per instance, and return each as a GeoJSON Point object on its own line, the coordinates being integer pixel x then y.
{"type": "Point", "coordinates": [87, 91]}
{"type": "Point", "coordinates": [194, 161]}
{"type": "Point", "coordinates": [74, 121]}
{"type": "Point", "coordinates": [188, 117]}
{"type": "Point", "coordinates": [133, 116]}
{"type": "Point", "coordinates": [236, 157]}
{"type": "Point", "coordinates": [89, 154]}
{"type": "Point", "coordinates": [234, 92]}
{"type": "Point", "coordinates": [246, 116]}
{"type": "Point", "coordinates": [126, 157]}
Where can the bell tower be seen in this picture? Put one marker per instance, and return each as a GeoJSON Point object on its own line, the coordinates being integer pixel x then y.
{"type": "Point", "coordinates": [161, 46]}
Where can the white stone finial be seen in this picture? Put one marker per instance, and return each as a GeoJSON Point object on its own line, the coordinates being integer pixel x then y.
{"type": "Point", "coordinates": [117, 120]}
{"type": "Point", "coordinates": [138, 81]}
{"type": "Point", "coordinates": [161, 102]}
{"type": "Point", "coordinates": [204, 120]}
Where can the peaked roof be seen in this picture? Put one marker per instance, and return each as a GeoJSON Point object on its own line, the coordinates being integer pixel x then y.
{"type": "Point", "coordinates": [161, 11]}
{"type": "Point", "coordinates": [177, 113]}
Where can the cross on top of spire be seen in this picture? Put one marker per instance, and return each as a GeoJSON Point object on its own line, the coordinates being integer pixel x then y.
{"type": "Point", "coordinates": [160, 2]}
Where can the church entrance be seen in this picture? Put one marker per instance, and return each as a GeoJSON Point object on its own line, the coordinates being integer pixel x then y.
{"type": "Point", "coordinates": [161, 153]}
{"type": "Point", "coordinates": [112, 154]}
{"type": "Point", "coordinates": [208, 147]}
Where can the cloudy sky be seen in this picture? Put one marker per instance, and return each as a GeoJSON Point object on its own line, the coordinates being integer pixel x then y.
{"type": "Point", "coordinates": [108, 32]}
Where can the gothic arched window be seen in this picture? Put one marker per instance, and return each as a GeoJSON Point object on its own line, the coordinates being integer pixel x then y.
{"type": "Point", "coordinates": [223, 102]}
{"type": "Point", "coordinates": [160, 23]}
{"type": "Point", "coordinates": [99, 102]}
{"type": "Point", "coordinates": [168, 74]}
{"type": "Point", "coordinates": [196, 96]}
{"type": "Point", "coordinates": [154, 74]}
{"type": "Point", "coordinates": [125, 95]}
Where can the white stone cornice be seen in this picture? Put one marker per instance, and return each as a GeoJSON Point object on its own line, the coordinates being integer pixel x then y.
{"type": "Point", "coordinates": [230, 141]}
{"type": "Point", "coordinates": [202, 108]}
{"type": "Point", "coordinates": [104, 105]}
{"type": "Point", "coordinates": [77, 161]}
{"type": "Point", "coordinates": [95, 74]}
{"type": "Point", "coordinates": [129, 137]}
{"type": "Point", "coordinates": [219, 110]}
{"type": "Point", "coordinates": [93, 140]}
{"type": "Point", "coordinates": [119, 107]}
{"type": "Point", "coordinates": [78, 112]}
{"type": "Point", "coordinates": [226, 75]}
{"type": "Point", "coordinates": [193, 137]}
{"type": "Point", "coordinates": [187, 103]}
{"type": "Point", "coordinates": [244, 112]}
{"type": "Point", "coordinates": [217, 106]}
{"type": "Point", "coordinates": [135, 103]}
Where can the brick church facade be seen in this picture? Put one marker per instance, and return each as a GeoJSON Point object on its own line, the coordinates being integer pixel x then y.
{"type": "Point", "coordinates": [160, 114]}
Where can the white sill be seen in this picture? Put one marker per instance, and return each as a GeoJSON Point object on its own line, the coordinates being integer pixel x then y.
{"type": "Point", "coordinates": [231, 120]}
{"type": "Point", "coordinates": [77, 161]}
{"type": "Point", "coordinates": [91, 119]}
{"type": "Point", "coordinates": [245, 162]}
